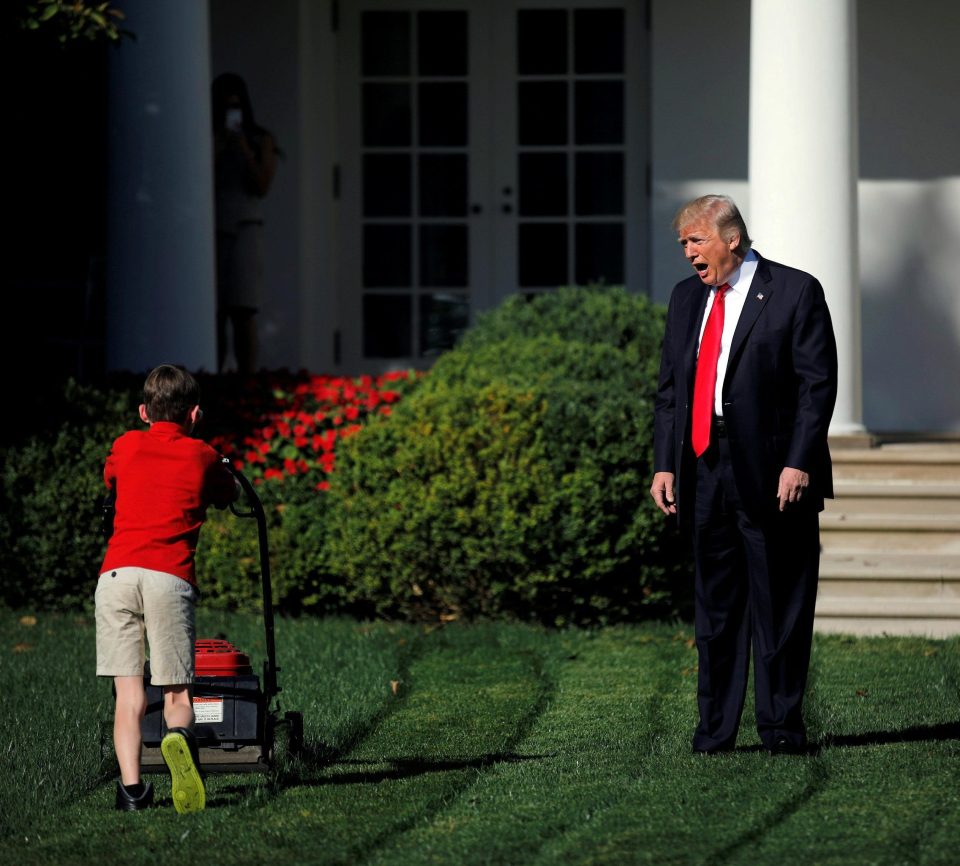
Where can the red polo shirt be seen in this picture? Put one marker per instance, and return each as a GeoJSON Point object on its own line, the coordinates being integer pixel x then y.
{"type": "Point", "coordinates": [164, 480]}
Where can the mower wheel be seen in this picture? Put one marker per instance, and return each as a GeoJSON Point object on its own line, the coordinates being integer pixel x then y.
{"type": "Point", "coordinates": [295, 720]}
{"type": "Point", "coordinates": [285, 739]}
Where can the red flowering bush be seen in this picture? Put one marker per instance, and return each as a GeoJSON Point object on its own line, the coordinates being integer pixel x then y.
{"type": "Point", "coordinates": [291, 428]}
{"type": "Point", "coordinates": [283, 431]}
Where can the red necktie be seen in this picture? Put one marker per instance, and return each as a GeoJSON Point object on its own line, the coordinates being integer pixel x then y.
{"type": "Point", "coordinates": [705, 383]}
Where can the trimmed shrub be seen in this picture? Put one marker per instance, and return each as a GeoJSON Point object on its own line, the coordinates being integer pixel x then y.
{"type": "Point", "coordinates": [50, 539]}
{"type": "Point", "coordinates": [609, 316]}
{"type": "Point", "coordinates": [514, 480]}
{"type": "Point", "coordinates": [285, 436]}
{"type": "Point", "coordinates": [282, 430]}
{"type": "Point", "coordinates": [452, 489]}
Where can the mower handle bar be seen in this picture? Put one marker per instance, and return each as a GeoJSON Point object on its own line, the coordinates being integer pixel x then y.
{"type": "Point", "coordinates": [256, 511]}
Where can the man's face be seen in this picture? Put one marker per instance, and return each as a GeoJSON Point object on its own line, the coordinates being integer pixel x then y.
{"type": "Point", "coordinates": [713, 258]}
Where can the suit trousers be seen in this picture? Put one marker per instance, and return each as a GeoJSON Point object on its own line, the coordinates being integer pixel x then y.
{"type": "Point", "coordinates": [756, 583]}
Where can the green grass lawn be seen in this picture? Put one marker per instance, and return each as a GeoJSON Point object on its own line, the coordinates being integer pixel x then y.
{"type": "Point", "coordinates": [502, 744]}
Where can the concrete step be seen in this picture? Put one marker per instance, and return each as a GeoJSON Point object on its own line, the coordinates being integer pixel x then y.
{"type": "Point", "coordinates": [872, 574]}
{"type": "Point", "coordinates": [893, 500]}
{"type": "Point", "coordinates": [890, 608]}
{"type": "Point", "coordinates": [866, 626]}
{"type": "Point", "coordinates": [841, 536]}
{"type": "Point", "coordinates": [851, 564]}
{"type": "Point", "coordinates": [892, 488]}
{"type": "Point", "coordinates": [933, 462]}
{"type": "Point", "coordinates": [894, 521]}
{"type": "Point", "coordinates": [891, 542]}
{"type": "Point", "coordinates": [889, 588]}
{"type": "Point", "coordinates": [908, 452]}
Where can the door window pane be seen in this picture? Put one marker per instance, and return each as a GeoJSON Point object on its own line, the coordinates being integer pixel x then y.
{"type": "Point", "coordinates": [599, 183]}
{"type": "Point", "coordinates": [598, 41]}
{"type": "Point", "coordinates": [443, 319]}
{"type": "Point", "coordinates": [442, 43]}
{"type": "Point", "coordinates": [543, 184]}
{"type": "Point", "coordinates": [443, 184]}
{"type": "Point", "coordinates": [386, 255]}
{"type": "Point", "coordinates": [443, 255]}
{"type": "Point", "coordinates": [386, 185]}
{"type": "Point", "coordinates": [599, 253]}
{"type": "Point", "coordinates": [542, 41]}
{"type": "Point", "coordinates": [443, 114]}
{"type": "Point", "coordinates": [542, 254]}
{"type": "Point", "coordinates": [385, 43]}
{"type": "Point", "coordinates": [386, 326]}
{"type": "Point", "coordinates": [386, 115]}
{"type": "Point", "coordinates": [542, 112]}
{"type": "Point", "coordinates": [598, 112]}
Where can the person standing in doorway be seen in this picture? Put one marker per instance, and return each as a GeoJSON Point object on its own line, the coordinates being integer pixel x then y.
{"type": "Point", "coordinates": [245, 159]}
{"type": "Point", "coordinates": [748, 382]}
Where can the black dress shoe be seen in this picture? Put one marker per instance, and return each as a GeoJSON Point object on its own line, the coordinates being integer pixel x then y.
{"type": "Point", "coordinates": [133, 798]}
{"type": "Point", "coordinates": [783, 746]}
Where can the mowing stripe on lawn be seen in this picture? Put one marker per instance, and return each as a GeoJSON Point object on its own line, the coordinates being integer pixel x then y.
{"type": "Point", "coordinates": [472, 695]}
{"type": "Point", "coordinates": [601, 724]}
{"type": "Point", "coordinates": [466, 699]}
{"type": "Point", "coordinates": [502, 744]}
{"type": "Point", "coordinates": [888, 715]}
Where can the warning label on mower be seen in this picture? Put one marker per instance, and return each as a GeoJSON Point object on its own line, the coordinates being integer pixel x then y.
{"type": "Point", "coordinates": [207, 710]}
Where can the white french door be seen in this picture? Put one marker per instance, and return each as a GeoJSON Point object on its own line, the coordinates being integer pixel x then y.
{"type": "Point", "coordinates": [487, 148]}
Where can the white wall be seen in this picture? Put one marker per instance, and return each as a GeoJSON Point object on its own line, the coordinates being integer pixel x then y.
{"type": "Point", "coordinates": [910, 214]}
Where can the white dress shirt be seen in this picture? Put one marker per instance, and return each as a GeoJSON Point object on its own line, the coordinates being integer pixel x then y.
{"type": "Point", "coordinates": [733, 302]}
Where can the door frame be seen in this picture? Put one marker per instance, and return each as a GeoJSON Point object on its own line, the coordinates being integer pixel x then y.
{"type": "Point", "coordinates": [492, 157]}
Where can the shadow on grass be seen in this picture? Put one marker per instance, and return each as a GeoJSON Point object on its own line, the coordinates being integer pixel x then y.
{"type": "Point", "coordinates": [914, 734]}
{"type": "Point", "coordinates": [405, 768]}
{"type": "Point", "coordinates": [819, 776]}
{"type": "Point", "coordinates": [818, 779]}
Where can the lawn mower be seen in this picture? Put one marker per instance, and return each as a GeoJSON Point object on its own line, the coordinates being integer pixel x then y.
{"type": "Point", "coordinates": [239, 725]}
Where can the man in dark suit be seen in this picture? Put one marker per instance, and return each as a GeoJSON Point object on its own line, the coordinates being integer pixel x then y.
{"type": "Point", "coordinates": [748, 381]}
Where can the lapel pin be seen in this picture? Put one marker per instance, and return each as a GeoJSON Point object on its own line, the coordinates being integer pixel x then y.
{"type": "Point", "coordinates": [759, 296]}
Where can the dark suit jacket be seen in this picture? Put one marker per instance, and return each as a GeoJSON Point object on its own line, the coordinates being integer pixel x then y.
{"type": "Point", "coordinates": [778, 393]}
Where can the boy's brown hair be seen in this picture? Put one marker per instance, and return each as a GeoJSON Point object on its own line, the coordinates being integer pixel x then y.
{"type": "Point", "coordinates": [169, 393]}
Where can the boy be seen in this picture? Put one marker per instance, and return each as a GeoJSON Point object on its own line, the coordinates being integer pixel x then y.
{"type": "Point", "coordinates": [164, 481]}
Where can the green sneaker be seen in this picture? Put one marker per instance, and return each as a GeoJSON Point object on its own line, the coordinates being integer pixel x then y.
{"type": "Point", "coordinates": [179, 749]}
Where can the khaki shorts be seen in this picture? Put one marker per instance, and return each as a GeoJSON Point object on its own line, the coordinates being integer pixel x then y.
{"type": "Point", "coordinates": [131, 601]}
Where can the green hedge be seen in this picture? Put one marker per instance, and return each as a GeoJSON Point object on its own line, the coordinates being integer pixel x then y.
{"type": "Point", "coordinates": [51, 544]}
{"type": "Point", "coordinates": [50, 539]}
{"type": "Point", "coordinates": [514, 480]}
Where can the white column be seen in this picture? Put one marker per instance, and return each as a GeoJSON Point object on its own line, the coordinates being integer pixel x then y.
{"type": "Point", "coordinates": [804, 162]}
{"type": "Point", "coordinates": [160, 257]}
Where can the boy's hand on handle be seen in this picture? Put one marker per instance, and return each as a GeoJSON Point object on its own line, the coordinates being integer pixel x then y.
{"type": "Point", "coordinates": [662, 492]}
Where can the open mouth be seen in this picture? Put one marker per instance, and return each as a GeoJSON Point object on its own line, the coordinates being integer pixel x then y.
{"type": "Point", "coordinates": [701, 267]}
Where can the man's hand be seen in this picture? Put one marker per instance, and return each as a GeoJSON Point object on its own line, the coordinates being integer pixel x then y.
{"type": "Point", "coordinates": [792, 484]}
{"type": "Point", "coordinates": [662, 492]}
